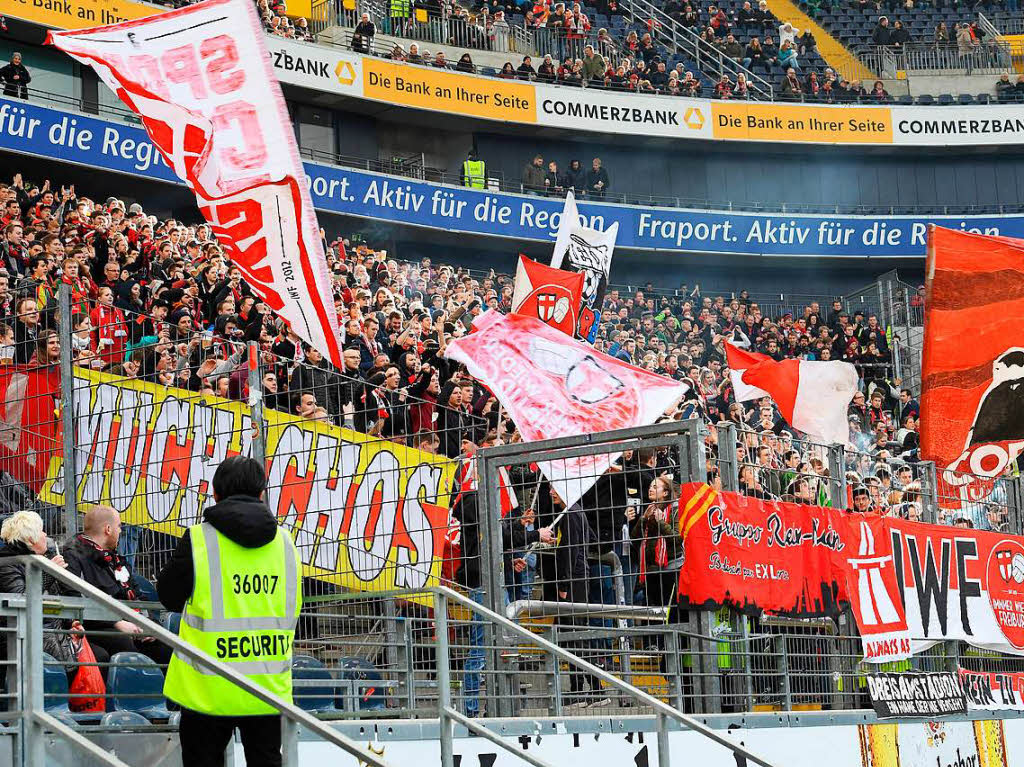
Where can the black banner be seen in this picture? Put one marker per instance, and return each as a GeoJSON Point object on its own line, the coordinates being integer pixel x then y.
{"type": "Point", "coordinates": [916, 695]}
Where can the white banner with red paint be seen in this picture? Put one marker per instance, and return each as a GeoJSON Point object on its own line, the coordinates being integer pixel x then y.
{"type": "Point", "coordinates": [993, 690]}
{"type": "Point", "coordinates": [552, 386]}
{"type": "Point", "coordinates": [201, 80]}
{"type": "Point", "coordinates": [912, 584]}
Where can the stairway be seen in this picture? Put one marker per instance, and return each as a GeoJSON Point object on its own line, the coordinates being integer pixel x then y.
{"type": "Point", "coordinates": [835, 53]}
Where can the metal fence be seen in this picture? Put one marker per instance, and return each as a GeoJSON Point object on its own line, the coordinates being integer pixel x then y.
{"type": "Point", "coordinates": [991, 57]}
{"type": "Point", "coordinates": [385, 510]}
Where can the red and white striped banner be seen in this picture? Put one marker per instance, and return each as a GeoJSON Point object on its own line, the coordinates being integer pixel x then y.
{"type": "Point", "coordinates": [201, 80]}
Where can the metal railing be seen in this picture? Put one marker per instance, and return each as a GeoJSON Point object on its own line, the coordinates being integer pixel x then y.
{"type": "Point", "coordinates": [31, 708]}
{"type": "Point", "coordinates": [1012, 25]}
{"type": "Point", "coordinates": [990, 57]}
{"type": "Point", "coordinates": [684, 40]}
{"type": "Point", "coordinates": [35, 721]}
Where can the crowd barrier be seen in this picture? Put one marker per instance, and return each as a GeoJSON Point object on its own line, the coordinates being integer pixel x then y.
{"type": "Point", "coordinates": [382, 512]}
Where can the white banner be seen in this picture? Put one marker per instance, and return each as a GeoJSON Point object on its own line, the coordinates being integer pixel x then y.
{"type": "Point", "coordinates": [202, 80]}
{"type": "Point", "coordinates": [589, 251]}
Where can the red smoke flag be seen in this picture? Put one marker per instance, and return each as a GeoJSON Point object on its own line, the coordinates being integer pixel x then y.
{"type": "Point", "coordinates": [551, 295]}
{"type": "Point", "coordinates": [972, 396]}
{"type": "Point", "coordinates": [201, 80]}
{"type": "Point", "coordinates": [812, 396]}
{"type": "Point", "coordinates": [552, 386]}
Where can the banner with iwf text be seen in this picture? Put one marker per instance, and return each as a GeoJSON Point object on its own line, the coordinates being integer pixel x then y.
{"type": "Point", "coordinates": [366, 514]}
{"type": "Point", "coordinates": [909, 584]}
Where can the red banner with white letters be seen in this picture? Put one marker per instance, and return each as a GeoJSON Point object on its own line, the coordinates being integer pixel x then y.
{"type": "Point", "coordinates": [908, 584]}
{"type": "Point", "coordinates": [201, 80]}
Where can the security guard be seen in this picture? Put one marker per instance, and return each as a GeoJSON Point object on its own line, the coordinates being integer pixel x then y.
{"type": "Point", "coordinates": [236, 579]}
{"type": "Point", "coordinates": [474, 172]}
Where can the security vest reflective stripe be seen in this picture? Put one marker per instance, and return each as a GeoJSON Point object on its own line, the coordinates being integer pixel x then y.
{"type": "Point", "coordinates": [243, 611]}
{"type": "Point", "coordinates": [474, 173]}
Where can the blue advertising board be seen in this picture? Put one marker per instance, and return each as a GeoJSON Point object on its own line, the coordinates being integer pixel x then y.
{"type": "Point", "coordinates": [115, 146]}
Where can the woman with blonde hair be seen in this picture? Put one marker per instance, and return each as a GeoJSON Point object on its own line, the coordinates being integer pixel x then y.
{"type": "Point", "coordinates": [22, 534]}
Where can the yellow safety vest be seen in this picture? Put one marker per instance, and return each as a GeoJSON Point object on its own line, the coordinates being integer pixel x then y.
{"type": "Point", "coordinates": [243, 611]}
{"type": "Point", "coordinates": [474, 174]}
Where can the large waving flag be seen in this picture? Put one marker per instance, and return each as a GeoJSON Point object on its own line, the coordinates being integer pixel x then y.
{"type": "Point", "coordinates": [201, 80]}
{"type": "Point", "coordinates": [812, 396]}
{"type": "Point", "coordinates": [552, 385]}
{"type": "Point", "coordinates": [588, 251]}
{"type": "Point", "coordinates": [972, 395]}
{"type": "Point", "coordinates": [551, 295]}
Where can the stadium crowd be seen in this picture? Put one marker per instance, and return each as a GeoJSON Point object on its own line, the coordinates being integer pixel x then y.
{"type": "Point", "coordinates": [158, 301]}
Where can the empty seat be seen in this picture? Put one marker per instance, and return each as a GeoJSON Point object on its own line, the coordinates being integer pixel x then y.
{"type": "Point", "coordinates": [365, 685]}
{"type": "Point", "coordinates": [925, 100]}
{"type": "Point", "coordinates": [945, 99]}
{"type": "Point", "coordinates": [136, 683]}
{"type": "Point", "coordinates": [966, 98]}
{"type": "Point", "coordinates": [123, 719]}
{"type": "Point", "coordinates": [313, 685]}
{"type": "Point", "coordinates": [906, 100]}
{"type": "Point", "coordinates": [55, 686]}
{"type": "Point", "coordinates": [983, 98]}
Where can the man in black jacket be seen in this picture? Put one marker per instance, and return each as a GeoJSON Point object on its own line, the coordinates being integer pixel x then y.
{"type": "Point", "coordinates": [15, 78]}
{"type": "Point", "coordinates": [240, 515]}
{"type": "Point", "coordinates": [92, 556]}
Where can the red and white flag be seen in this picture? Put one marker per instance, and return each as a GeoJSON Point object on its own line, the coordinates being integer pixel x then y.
{"type": "Point", "coordinates": [201, 80]}
{"type": "Point", "coordinates": [812, 396]}
{"type": "Point", "coordinates": [551, 295]}
{"type": "Point", "coordinates": [552, 386]}
{"type": "Point", "coordinates": [588, 251]}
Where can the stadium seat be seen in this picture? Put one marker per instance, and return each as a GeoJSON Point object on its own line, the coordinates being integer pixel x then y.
{"type": "Point", "coordinates": [925, 100]}
{"type": "Point", "coordinates": [966, 98]}
{"type": "Point", "coordinates": [56, 692]}
{"type": "Point", "coordinates": [906, 100]}
{"type": "Point", "coordinates": [55, 686]}
{"type": "Point", "coordinates": [366, 684]}
{"type": "Point", "coordinates": [147, 591]}
{"type": "Point", "coordinates": [123, 719]}
{"type": "Point", "coordinates": [945, 99]}
{"type": "Point", "coordinates": [172, 622]}
{"type": "Point", "coordinates": [983, 98]}
{"type": "Point", "coordinates": [136, 683]}
{"type": "Point", "coordinates": [309, 694]}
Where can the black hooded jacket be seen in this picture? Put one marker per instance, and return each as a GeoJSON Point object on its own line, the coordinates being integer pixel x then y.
{"type": "Point", "coordinates": [245, 520]}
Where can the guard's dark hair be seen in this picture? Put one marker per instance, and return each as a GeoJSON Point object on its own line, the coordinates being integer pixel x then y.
{"type": "Point", "coordinates": [239, 475]}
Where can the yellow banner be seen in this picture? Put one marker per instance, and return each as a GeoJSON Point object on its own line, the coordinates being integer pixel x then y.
{"type": "Point", "coordinates": [77, 14]}
{"type": "Point", "coordinates": [428, 88]}
{"type": "Point", "coordinates": [368, 515]}
{"type": "Point", "coordinates": [801, 123]}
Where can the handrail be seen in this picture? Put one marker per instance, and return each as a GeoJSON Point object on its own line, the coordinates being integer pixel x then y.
{"type": "Point", "coordinates": [663, 710]}
{"type": "Point", "coordinates": [666, 26]}
{"type": "Point", "coordinates": [290, 711]}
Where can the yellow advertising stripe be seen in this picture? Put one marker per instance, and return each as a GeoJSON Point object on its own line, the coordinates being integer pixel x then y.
{"type": "Point", "coordinates": [834, 52]}
{"type": "Point", "coordinates": [438, 89]}
{"type": "Point", "coordinates": [752, 121]}
{"type": "Point", "coordinates": [78, 14]}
